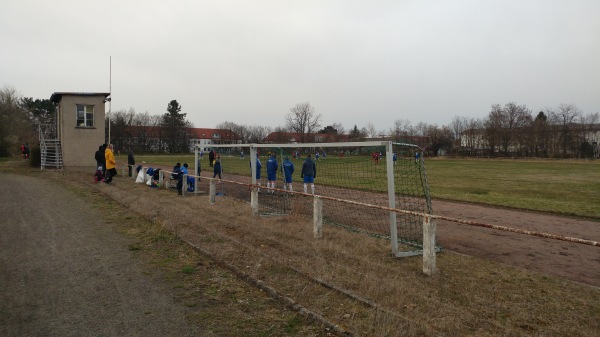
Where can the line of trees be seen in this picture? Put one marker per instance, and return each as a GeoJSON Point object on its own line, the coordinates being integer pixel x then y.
{"type": "Point", "coordinates": [512, 130]}
{"type": "Point", "coordinates": [507, 130]}
{"type": "Point", "coordinates": [169, 132]}
{"type": "Point", "coordinates": [19, 118]}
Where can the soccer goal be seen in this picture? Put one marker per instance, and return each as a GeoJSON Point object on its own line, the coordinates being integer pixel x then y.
{"type": "Point", "coordinates": [376, 187]}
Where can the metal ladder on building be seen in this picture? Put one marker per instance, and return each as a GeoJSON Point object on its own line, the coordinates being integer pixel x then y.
{"type": "Point", "coordinates": [50, 148]}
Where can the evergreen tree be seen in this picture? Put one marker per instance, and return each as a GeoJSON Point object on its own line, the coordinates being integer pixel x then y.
{"type": "Point", "coordinates": [173, 129]}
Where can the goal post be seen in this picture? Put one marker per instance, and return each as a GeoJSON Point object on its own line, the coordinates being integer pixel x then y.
{"type": "Point", "coordinates": [374, 187]}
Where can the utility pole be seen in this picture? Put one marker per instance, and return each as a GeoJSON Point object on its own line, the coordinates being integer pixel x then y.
{"type": "Point", "coordinates": [109, 94]}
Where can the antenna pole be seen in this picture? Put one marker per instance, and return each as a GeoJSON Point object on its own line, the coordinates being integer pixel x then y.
{"type": "Point", "coordinates": [109, 95]}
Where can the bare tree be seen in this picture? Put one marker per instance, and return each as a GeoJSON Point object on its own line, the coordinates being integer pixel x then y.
{"type": "Point", "coordinates": [439, 138]}
{"type": "Point", "coordinates": [303, 120]}
{"type": "Point", "coordinates": [564, 117]}
{"type": "Point", "coordinates": [472, 138]}
{"type": "Point", "coordinates": [257, 134]}
{"type": "Point", "coordinates": [458, 125]}
{"type": "Point", "coordinates": [340, 128]}
{"type": "Point", "coordinates": [239, 132]}
{"type": "Point", "coordinates": [587, 124]}
{"type": "Point", "coordinates": [515, 118]}
{"type": "Point", "coordinates": [371, 131]}
{"type": "Point", "coordinates": [502, 123]}
{"type": "Point", "coordinates": [400, 130]}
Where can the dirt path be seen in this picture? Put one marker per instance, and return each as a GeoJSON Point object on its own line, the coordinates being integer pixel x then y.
{"type": "Point", "coordinates": [65, 271]}
{"type": "Point", "coordinates": [573, 261]}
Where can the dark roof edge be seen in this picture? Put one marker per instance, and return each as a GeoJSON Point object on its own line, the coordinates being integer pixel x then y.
{"type": "Point", "coordinates": [57, 95]}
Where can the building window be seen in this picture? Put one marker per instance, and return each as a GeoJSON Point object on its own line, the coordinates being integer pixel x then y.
{"type": "Point", "coordinates": [85, 115]}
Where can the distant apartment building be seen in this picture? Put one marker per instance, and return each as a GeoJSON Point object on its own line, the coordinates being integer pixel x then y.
{"type": "Point", "coordinates": [203, 138]}
{"type": "Point", "coordinates": [294, 137]}
{"type": "Point", "coordinates": [575, 140]}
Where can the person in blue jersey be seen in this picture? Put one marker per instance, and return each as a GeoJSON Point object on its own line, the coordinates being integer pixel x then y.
{"type": "Point", "coordinates": [272, 166]}
{"type": "Point", "coordinates": [258, 167]}
{"type": "Point", "coordinates": [309, 173]}
{"type": "Point", "coordinates": [288, 169]}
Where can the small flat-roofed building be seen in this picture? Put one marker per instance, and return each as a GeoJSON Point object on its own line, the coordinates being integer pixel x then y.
{"type": "Point", "coordinates": [78, 132]}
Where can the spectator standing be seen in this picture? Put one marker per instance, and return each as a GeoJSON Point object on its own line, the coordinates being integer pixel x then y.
{"type": "Point", "coordinates": [288, 169]}
{"type": "Point", "coordinates": [217, 169]}
{"type": "Point", "coordinates": [272, 172]}
{"type": "Point", "coordinates": [99, 156]}
{"type": "Point", "coordinates": [130, 161]}
{"type": "Point", "coordinates": [176, 171]}
{"type": "Point", "coordinates": [211, 157]}
{"type": "Point", "coordinates": [309, 173]}
{"type": "Point", "coordinates": [111, 164]}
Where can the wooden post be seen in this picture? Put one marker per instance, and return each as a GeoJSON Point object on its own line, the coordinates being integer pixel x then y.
{"type": "Point", "coordinates": [429, 266]}
{"type": "Point", "coordinates": [212, 191]}
{"type": "Point", "coordinates": [317, 217]}
{"type": "Point", "coordinates": [254, 193]}
{"type": "Point", "coordinates": [184, 184]}
{"type": "Point", "coordinates": [254, 201]}
{"type": "Point", "coordinates": [161, 178]}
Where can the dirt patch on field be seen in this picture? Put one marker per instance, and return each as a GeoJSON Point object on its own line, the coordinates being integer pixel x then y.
{"type": "Point", "coordinates": [576, 262]}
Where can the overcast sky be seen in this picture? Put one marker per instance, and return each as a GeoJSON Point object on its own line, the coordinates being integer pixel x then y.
{"type": "Point", "coordinates": [356, 62]}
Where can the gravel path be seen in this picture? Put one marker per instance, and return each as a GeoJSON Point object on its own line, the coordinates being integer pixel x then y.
{"type": "Point", "coordinates": [65, 271]}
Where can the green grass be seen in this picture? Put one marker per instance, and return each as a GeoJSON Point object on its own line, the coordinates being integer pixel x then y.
{"type": "Point", "coordinates": [565, 187]}
{"type": "Point", "coordinates": [570, 187]}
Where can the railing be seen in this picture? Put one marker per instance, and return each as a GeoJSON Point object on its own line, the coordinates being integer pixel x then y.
{"type": "Point", "coordinates": [50, 147]}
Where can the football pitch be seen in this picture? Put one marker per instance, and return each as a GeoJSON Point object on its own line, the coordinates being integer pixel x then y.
{"type": "Point", "coordinates": [568, 187]}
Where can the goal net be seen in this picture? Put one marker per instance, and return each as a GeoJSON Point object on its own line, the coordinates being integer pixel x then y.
{"type": "Point", "coordinates": [378, 188]}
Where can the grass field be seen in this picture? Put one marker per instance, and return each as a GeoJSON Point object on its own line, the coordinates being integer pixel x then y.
{"type": "Point", "coordinates": [469, 296]}
{"type": "Point", "coordinates": [568, 187]}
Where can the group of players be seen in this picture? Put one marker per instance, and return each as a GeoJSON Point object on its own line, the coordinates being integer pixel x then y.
{"type": "Point", "coordinates": [308, 172]}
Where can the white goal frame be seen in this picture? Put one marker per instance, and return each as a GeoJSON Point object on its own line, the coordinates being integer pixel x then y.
{"type": "Point", "coordinates": [392, 207]}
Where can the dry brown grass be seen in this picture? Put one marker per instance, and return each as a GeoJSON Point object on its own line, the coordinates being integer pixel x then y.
{"type": "Point", "coordinates": [353, 280]}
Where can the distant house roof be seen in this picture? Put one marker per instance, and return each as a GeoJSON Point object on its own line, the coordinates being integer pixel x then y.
{"type": "Point", "coordinates": [294, 137]}
{"type": "Point", "coordinates": [55, 98]}
{"type": "Point", "coordinates": [204, 133]}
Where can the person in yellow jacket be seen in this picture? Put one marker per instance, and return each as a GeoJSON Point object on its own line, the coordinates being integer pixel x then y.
{"type": "Point", "coordinates": [111, 164]}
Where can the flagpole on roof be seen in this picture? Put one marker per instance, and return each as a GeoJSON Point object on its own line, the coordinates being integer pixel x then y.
{"type": "Point", "coordinates": [109, 94]}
